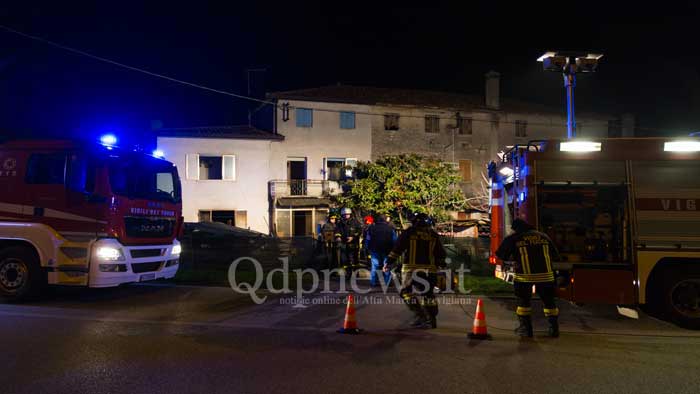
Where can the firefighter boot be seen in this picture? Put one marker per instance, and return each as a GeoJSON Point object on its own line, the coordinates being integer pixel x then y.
{"type": "Point", "coordinates": [525, 327]}
{"type": "Point", "coordinates": [431, 310]}
{"type": "Point", "coordinates": [553, 330]}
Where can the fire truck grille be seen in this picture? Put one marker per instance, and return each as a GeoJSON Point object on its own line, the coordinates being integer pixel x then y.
{"type": "Point", "coordinates": [139, 253]}
{"type": "Point", "coordinates": [148, 228]}
{"type": "Point", "coordinates": [146, 267]}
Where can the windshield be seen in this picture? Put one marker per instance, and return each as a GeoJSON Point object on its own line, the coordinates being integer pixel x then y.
{"type": "Point", "coordinates": [144, 177]}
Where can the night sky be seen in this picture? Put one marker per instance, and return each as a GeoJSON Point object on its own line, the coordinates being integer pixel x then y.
{"type": "Point", "coordinates": [651, 66]}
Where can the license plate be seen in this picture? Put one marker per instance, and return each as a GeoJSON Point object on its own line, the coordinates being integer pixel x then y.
{"type": "Point", "coordinates": [146, 277]}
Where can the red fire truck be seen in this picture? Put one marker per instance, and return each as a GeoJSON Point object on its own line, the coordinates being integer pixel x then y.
{"type": "Point", "coordinates": [624, 213]}
{"type": "Point", "coordinates": [84, 214]}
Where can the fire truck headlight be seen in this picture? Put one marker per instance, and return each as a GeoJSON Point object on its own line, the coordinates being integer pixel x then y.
{"type": "Point", "coordinates": [177, 249]}
{"type": "Point", "coordinates": [108, 253]}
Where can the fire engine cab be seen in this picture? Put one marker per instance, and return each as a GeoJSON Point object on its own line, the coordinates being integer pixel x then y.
{"type": "Point", "coordinates": [624, 214]}
{"type": "Point", "coordinates": [84, 214]}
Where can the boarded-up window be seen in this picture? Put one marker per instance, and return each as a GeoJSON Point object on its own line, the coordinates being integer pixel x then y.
{"type": "Point", "coordinates": [464, 125]}
{"type": "Point", "coordinates": [432, 124]}
{"type": "Point", "coordinates": [465, 170]}
{"type": "Point", "coordinates": [391, 121]}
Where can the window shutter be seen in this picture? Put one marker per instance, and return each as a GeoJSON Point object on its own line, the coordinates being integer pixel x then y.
{"type": "Point", "coordinates": [347, 120]}
{"type": "Point", "coordinates": [465, 169]}
{"type": "Point", "coordinates": [350, 163]}
{"type": "Point", "coordinates": [228, 169]}
{"type": "Point", "coordinates": [192, 167]}
{"type": "Point", "coordinates": [241, 219]}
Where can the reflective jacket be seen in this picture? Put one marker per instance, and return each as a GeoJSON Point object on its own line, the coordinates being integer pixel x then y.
{"type": "Point", "coordinates": [423, 249]}
{"type": "Point", "coordinates": [532, 252]}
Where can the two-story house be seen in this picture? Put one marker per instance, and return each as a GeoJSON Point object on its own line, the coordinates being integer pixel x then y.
{"type": "Point", "coordinates": [321, 140]}
{"type": "Point", "coordinates": [224, 172]}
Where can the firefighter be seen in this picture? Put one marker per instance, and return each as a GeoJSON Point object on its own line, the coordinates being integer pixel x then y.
{"type": "Point", "coordinates": [331, 237]}
{"type": "Point", "coordinates": [351, 231]}
{"type": "Point", "coordinates": [419, 270]}
{"type": "Point", "coordinates": [532, 252]}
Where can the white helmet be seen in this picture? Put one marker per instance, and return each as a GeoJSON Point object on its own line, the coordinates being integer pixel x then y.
{"type": "Point", "coordinates": [346, 211]}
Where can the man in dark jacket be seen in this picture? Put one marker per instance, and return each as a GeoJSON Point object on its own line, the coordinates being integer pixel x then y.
{"type": "Point", "coordinates": [379, 239]}
{"type": "Point", "coordinates": [533, 253]}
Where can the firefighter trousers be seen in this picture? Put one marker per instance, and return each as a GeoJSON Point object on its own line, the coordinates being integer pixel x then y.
{"type": "Point", "coordinates": [545, 290]}
{"type": "Point", "coordinates": [421, 284]}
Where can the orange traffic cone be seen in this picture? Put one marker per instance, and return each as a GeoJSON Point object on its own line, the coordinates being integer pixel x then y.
{"type": "Point", "coordinates": [350, 323]}
{"type": "Point", "coordinates": [479, 328]}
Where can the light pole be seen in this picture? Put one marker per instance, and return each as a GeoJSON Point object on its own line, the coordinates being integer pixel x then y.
{"type": "Point", "coordinates": [570, 63]}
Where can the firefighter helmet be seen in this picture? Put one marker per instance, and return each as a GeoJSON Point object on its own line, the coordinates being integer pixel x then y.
{"type": "Point", "coordinates": [421, 219]}
{"type": "Point", "coordinates": [346, 211]}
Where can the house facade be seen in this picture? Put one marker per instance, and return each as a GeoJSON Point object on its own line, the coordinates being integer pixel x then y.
{"type": "Point", "coordinates": [224, 173]}
{"type": "Point", "coordinates": [321, 140]}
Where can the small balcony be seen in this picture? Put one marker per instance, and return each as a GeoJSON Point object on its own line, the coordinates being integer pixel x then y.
{"type": "Point", "coordinates": [304, 188]}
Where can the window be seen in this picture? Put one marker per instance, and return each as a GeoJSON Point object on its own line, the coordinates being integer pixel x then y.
{"type": "Point", "coordinates": [521, 128]}
{"type": "Point", "coordinates": [432, 124]}
{"type": "Point", "coordinates": [391, 121]}
{"type": "Point", "coordinates": [464, 125]}
{"type": "Point", "coordinates": [465, 170]}
{"type": "Point", "coordinates": [211, 167]}
{"type": "Point", "coordinates": [305, 117]}
{"type": "Point", "coordinates": [232, 218]}
{"type": "Point", "coordinates": [334, 169]}
{"type": "Point", "coordinates": [615, 128]}
{"type": "Point", "coordinates": [46, 169]}
{"type": "Point", "coordinates": [338, 169]}
{"type": "Point", "coordinates": [80, 174]}
{"type": "Point", "coordinates": [347, 120]}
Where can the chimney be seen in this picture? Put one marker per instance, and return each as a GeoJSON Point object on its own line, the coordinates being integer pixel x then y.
{"type": "Point", "coordinates": [493, 80]}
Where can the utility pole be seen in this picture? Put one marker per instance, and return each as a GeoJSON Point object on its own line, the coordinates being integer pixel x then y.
{"type": "Point", "coordinates": [569, 63]}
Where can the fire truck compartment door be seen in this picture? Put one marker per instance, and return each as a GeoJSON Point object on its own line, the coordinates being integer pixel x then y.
{"type": "Point", "coordinates": [598, 284]}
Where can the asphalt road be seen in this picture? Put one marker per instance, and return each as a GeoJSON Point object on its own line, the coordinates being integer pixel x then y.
{"type": "Point", "coordinates": [166, 339]}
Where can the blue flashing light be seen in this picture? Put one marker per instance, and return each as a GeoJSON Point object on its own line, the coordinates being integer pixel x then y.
{"type": "Point", "coordinates": [108, 139]}
{"type": "Point", "coordinates": [158, 153]}
{"type": "Point", "coordinates": [521, 197]}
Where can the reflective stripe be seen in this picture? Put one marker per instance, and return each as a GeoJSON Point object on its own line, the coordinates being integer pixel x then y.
{"type": "Point", "coordinates": [523, 311]}
{"type": "Point", "coordinates": [545, 277]}
{"type": "Point", "coordinates": [524, 260]}
{"type": "Point", "coordinates": [412, 252]}
{"type": "Point", "coordinates": [551, 312]}
{"type": "Point", "coordinates": [546, 257]}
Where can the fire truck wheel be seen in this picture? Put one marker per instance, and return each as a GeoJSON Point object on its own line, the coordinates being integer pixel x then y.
{"type": "Point", "coordinates": [21, 277]}
{"type": "Point", "coordinates": [681, 298]}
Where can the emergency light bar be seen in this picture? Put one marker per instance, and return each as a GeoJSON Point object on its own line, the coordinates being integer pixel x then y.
{"type": "Point", "coordinates": [682, 146]}
{"type": "Point", "coordinates": [580, 146]}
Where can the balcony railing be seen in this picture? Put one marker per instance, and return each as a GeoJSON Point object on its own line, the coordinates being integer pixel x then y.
{"type": "Point", "coordinates": [303, 188]}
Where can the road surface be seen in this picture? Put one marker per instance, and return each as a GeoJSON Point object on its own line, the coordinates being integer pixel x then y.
{"type": "Point", "coordinates": [178, 339]}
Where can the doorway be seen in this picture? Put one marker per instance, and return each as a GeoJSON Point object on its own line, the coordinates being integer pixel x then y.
{"type": "Point", "coordinates": [301, 224]}
{"type": "Point", "coordinates": [296, 175]}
